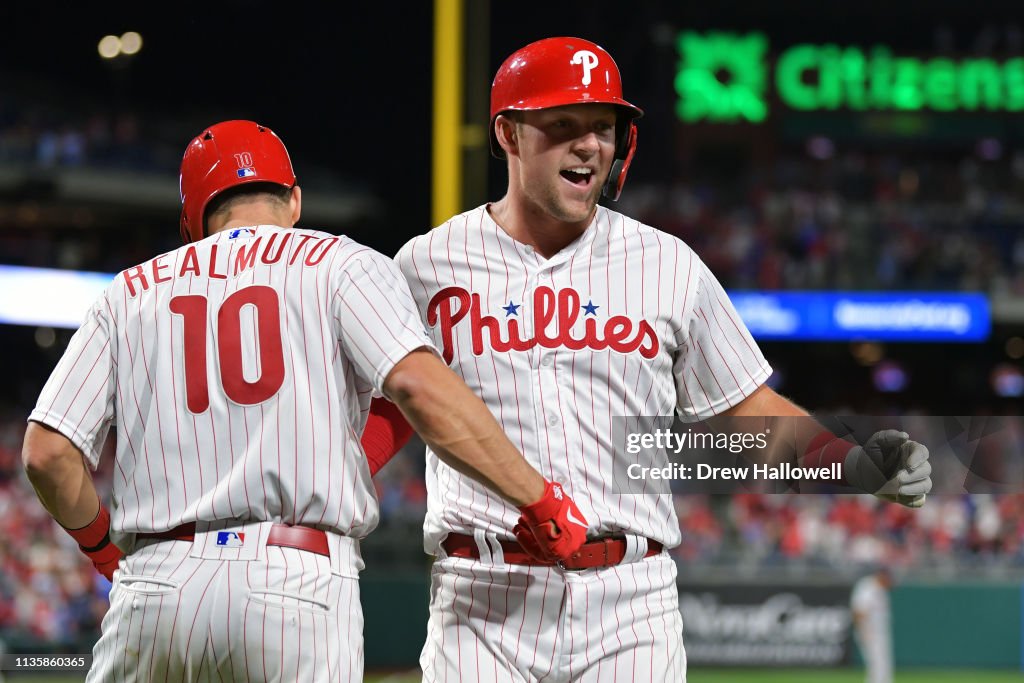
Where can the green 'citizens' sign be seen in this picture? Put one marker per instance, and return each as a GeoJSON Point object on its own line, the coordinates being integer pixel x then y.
{"type": "Point", "coordinates": [724, 77]}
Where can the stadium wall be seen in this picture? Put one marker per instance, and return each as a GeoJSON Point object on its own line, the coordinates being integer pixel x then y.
{"type": "Point", "coordinates": [958, 625]}
{"type": "Point", "coordinates": [947, 625]}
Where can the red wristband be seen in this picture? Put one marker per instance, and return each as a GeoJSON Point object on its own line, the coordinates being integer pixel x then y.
{"type": "Point", "coordinates": [94, 535]}
{"type": "Point", "coordinates": [826, 449]}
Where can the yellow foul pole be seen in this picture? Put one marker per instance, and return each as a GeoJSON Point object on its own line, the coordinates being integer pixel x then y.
{"type": "Point", "coordinates": [446, 164]}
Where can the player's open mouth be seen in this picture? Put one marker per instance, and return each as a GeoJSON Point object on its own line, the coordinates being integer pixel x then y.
{"type": "Point", "coordinates": [579, 175]}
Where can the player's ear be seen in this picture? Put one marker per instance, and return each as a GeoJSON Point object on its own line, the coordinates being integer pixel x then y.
{"type": "Point", "coordinates": [295, 204]}
{"type": "Point", "coordinates": [507, 134]}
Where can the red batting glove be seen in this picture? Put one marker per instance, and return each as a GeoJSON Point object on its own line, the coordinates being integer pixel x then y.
{"type": "Point", "coordinates": [94, 540]}
{"type": "Point", "coordinates": [552, 528]}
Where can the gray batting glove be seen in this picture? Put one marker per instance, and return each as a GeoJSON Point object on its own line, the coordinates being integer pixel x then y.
{"type": "Point", "coordinates": [892, 467]}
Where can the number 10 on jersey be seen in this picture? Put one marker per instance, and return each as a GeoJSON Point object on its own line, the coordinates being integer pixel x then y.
{"type": "Point", "coordinates": [193, 310]}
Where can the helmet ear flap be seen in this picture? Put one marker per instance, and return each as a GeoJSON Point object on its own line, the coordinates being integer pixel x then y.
{"type": "Point", "coordinates": [624, 151]}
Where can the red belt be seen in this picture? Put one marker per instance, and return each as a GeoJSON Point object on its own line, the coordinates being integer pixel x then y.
{"type": "Point", "coordinates": [605, 552]}
{"type": "Point", "coordinates": [284, 535]}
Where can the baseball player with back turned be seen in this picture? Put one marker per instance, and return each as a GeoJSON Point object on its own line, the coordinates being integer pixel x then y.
{"type": "Point", "coordinates": [238, 370]}
{"type": "Point", "coordinates": [562, 314]}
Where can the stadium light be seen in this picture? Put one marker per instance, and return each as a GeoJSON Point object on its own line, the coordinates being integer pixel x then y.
{"type": "Point", "coordinates": [46, 337]}
{"type": "Point", "coordinates": [109, 47]}
{"type": "Point", "coordinates": [131, 43]}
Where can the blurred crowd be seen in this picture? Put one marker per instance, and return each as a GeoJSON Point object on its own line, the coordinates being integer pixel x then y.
{"type": "Point", "coordinates": [950, 534]}
{"type": "Point", "coordinates": [856, 220]}
{"type": "Point", "coordinates": [49, 591]}
{"type": "Point", "coordinates": [821, 216]}
{"type": "Point", "coordinates": [43, 137]}
{"type": "Point", "coordinates": [98, 142]}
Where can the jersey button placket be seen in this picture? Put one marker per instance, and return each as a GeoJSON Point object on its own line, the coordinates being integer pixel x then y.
{"type": "Point", "coordinates": [526, 325]}
{"type": "Point", "coordinates": [548, 388]}
{"type": "Point", "coordinates": [541, 386]}
{"type": "Point", "coordinates": [547, 376]}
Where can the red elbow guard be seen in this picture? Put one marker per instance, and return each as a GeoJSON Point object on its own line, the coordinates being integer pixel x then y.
{"type": "Point", "coordinates": [385, 433]}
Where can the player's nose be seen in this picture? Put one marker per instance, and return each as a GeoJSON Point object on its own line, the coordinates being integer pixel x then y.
{"type": "Point", "coordinates": [587, 145]}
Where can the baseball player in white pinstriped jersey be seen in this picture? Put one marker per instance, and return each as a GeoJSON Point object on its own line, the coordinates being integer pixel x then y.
{"type": "Point", "coordinates": [563, 315]}
{"type": "Point", "coordinates": [238, 370]}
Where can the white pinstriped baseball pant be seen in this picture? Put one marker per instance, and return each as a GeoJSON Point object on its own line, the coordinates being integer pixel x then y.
{"type": "Point", "coordinates": [289, 615]}
{"type": "Point", "coordinates": [491, 621]}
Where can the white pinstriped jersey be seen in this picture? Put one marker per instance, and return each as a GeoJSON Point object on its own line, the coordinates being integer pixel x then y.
{"type": "Point", "coordinates": [625, 321]}
{"type": "Point", "coordinates": [238, 371]}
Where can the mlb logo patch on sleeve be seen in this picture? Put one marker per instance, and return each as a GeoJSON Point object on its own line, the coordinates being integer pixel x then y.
{"type": "Point", "coordinates": [230, 539]}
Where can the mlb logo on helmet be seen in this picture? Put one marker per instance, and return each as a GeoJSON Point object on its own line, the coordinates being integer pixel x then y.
{"type": "Point", "coordinates": [206, 168]}
{"type": "Point", "coordinates": [245, 166]}
{"type": "Point", "coordinates": [230, 539]}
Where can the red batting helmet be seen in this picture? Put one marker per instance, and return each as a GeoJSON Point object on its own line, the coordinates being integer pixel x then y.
{"type": "Point", "coordinates": [558, 71]}
{"type": "Point", "coordinates": [223, 156]}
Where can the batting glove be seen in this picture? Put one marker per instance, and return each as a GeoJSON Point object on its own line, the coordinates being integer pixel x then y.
{"type": "Point", "coordinates": [94, 540]}
{"type": "Point", "coordinates": [892, 467]}
{"type": "Point", "coordinates": [553, 528]}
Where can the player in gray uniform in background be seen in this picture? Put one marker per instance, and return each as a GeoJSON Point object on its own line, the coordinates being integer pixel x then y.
{"type": "Point", "coordinates": [872, 623]}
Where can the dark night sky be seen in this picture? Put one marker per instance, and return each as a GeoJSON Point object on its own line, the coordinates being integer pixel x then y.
{"type": "Point", "coordinates": [352, 89]}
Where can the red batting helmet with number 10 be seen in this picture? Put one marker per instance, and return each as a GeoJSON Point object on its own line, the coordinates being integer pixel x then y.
{"type": "Point", "coordinates": [558, 71]}
{"type": "Point", "coordinates": [223, 156]}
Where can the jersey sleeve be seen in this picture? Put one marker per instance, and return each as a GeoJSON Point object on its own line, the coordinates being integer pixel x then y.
{"type": "Point", "coordinates": [78, 398]}
{"type": "Point", "coordinates": [719, 363]}
{"type": "Point", "coordinates": [376, 317]}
